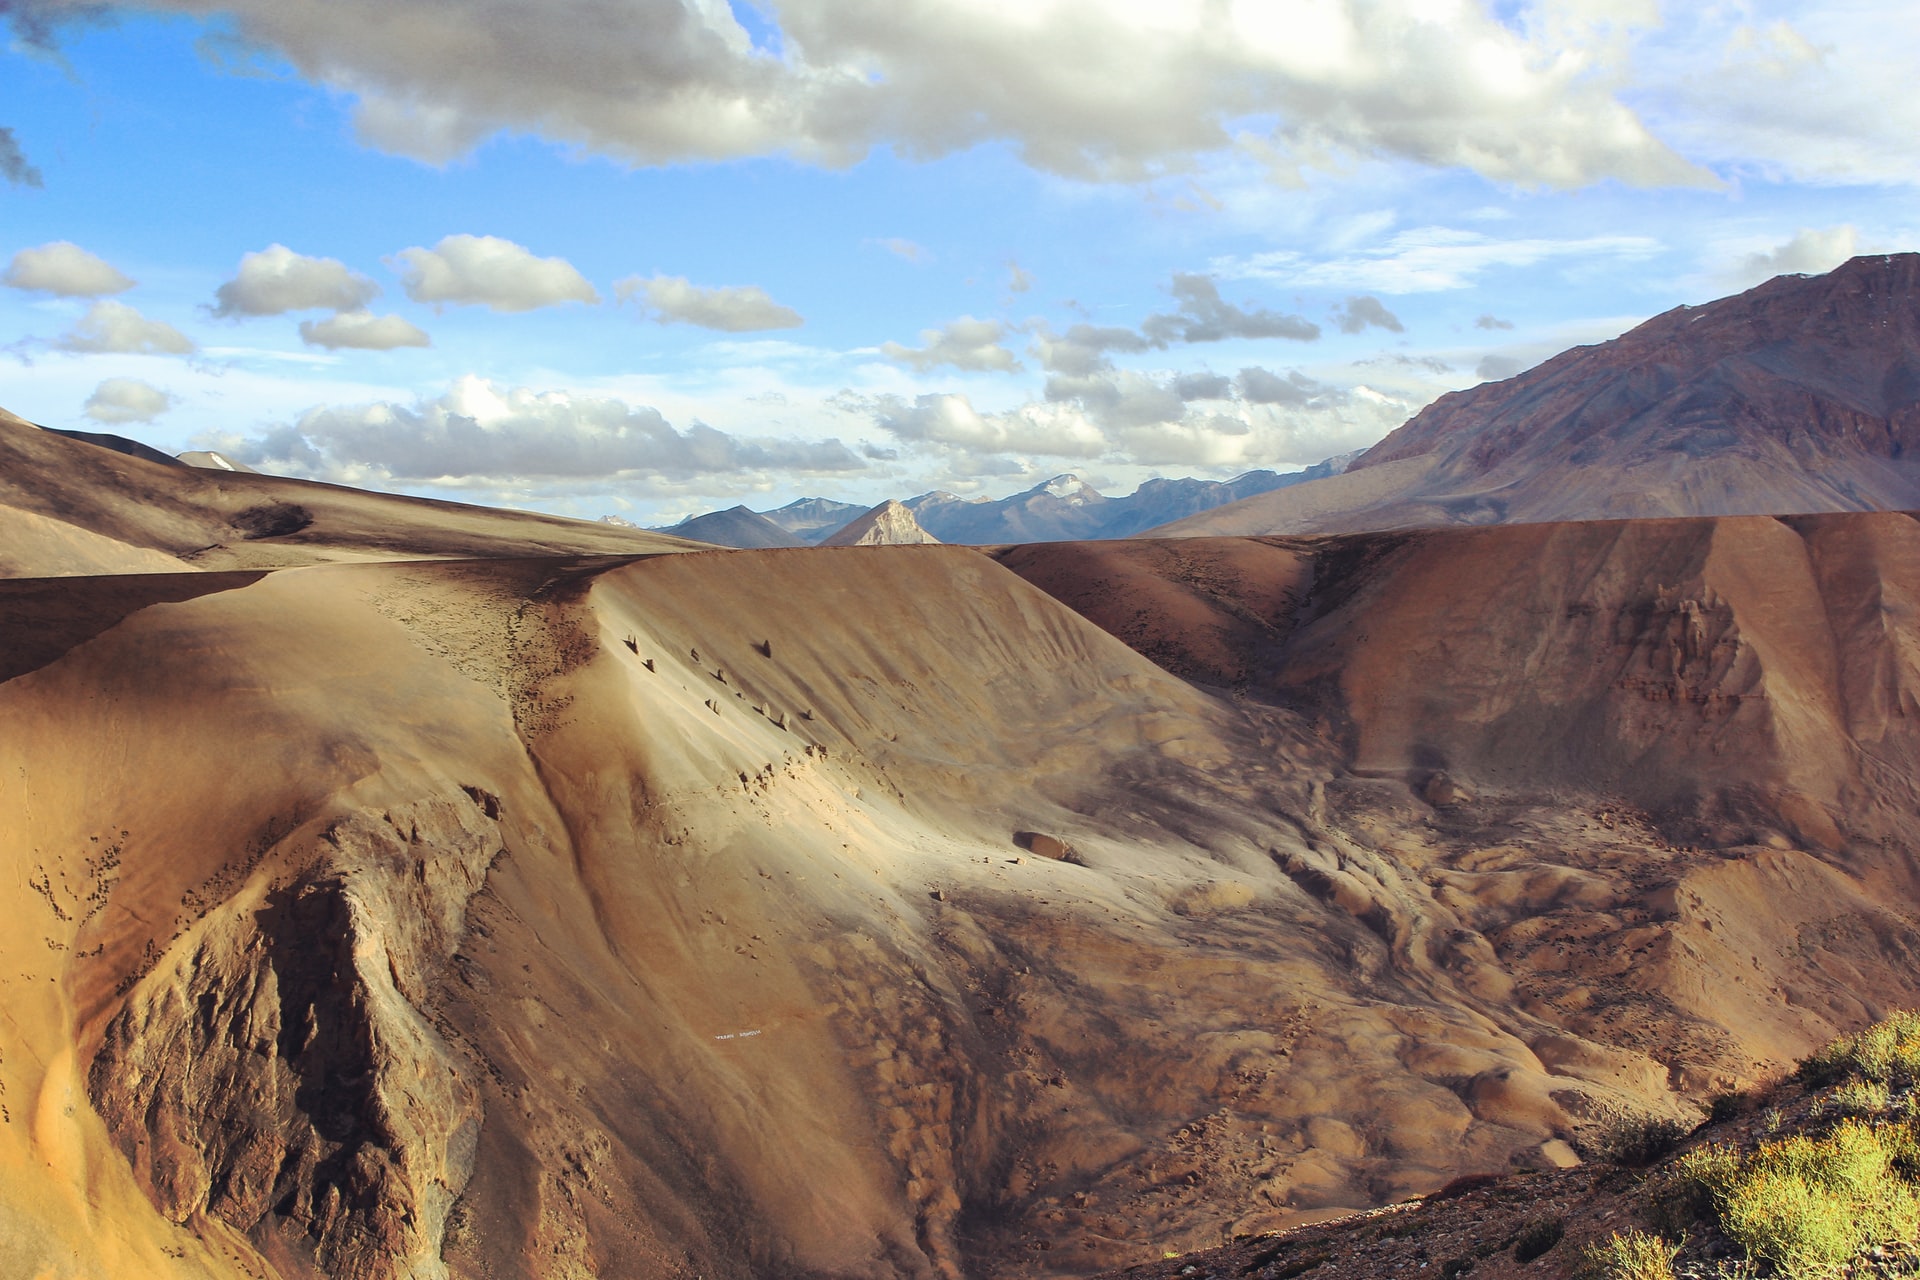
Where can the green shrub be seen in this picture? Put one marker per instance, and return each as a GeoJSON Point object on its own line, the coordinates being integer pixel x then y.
{"type": "Point", "coordinates": [1861, 1098]}
{"type": "Point", "coordinates": [1808, 1205]}
{"type": "Point", "coordinates": [1887, 1052]}
{"type": "Point", "coordinates": [1634, 1255]}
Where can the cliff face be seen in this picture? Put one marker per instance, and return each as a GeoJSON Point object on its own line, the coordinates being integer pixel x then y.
{"type": "Point", "coordinates": [1801, 395]}
{"type": "Point", "coordinates": [696, 915]}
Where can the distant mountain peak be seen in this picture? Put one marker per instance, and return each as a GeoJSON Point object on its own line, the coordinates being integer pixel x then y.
{"type": "Point", "coordinates": [890, 524]}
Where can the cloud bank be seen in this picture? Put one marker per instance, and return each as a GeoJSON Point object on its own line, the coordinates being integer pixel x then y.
{"type": "Point", "coordinates": [1098, 89]}
{"type": "Point", "coordinates": [482, 433]}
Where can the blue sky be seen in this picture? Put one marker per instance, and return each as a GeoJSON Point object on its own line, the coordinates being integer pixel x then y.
{"type": "Point", "coordinates": [652, 257]}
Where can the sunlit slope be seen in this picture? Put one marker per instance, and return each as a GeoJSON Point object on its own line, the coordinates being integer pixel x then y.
{"type": "Point", "coordinates": [692, 916]}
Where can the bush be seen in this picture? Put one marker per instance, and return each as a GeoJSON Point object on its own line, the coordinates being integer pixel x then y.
{"type": "Point", "coordinates": [1634, 1255]}
{"type": "Point", "coordinates": [1637, 1141]}
{"type": "Point", "coordinates": [1887, 1052]}
{"type": "Point", "coordinates": [1808, 1205]}
{"type": "Point", "coordinates": [1861, 1098]}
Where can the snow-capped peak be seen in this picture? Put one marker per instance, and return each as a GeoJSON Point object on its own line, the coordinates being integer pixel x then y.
{"type": "Point", "coordinates": [1069, 488]}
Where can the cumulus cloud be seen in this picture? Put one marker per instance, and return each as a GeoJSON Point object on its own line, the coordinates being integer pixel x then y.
{"type": "Point", "coordinates": [277, 280]}
{"type": "Point", "coordinates": [13, 162]}
{"type": "Point", "coordinates": [728, 308]}
{"type": "Point", "coordinates": [363, 331]}
{"type": "Point", "coordinates": [1429, 260]}
{"type": "Point", "coordinates": [1358, 314]}
{"type": "Point", "coordinates": [127, 400]}
{"type": "Point", "coordinates": [1811, 251]}
{"type": "Point", "coordinates": [967, 343]}
{"type": "Point", "coordinates": [1491, 321]}
{"type": "Point", "coordinates": [481, 432]}
{"type": "Point", "coordinates": [1089, 89]}
{"type": "Point", "coordinates": [64, 268]}
{"type": "Point", "coordinates": [1497, 368]}
{"type": "Point", "coordinates": [117, 329]}
{"type": "Point", "coordinates": [489, 271]}
{"type": "Point", "coordinates": [1203, 316]}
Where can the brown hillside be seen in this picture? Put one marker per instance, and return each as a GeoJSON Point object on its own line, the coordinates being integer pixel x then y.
{"type": "Point", "coordinates": [691, 915]}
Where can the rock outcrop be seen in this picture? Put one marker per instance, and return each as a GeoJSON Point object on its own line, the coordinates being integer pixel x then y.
{"type": "Point", "coordinates": [280, 1069]}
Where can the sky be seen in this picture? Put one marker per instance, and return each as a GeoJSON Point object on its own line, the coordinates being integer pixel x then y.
{"type": "Point", "coordinates": [649, 258]}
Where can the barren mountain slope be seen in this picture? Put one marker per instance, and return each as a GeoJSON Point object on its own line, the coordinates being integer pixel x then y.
{"type": "Point", "coordinates": [1800, 395]}
{"type": "Point", "coordinates": [867, 912]}
{"type": "Point", "coordinates": [68, 507]}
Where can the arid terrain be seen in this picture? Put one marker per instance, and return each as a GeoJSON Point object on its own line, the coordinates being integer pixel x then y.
{"type": "Point", "coordinates": [409, 890]}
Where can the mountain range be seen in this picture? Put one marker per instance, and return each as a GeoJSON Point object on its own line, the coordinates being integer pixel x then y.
{"type": "Point", "coordinates": [1065, 508]}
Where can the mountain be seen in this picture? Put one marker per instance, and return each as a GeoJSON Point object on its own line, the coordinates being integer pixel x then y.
{"type": "Point", "coordinates": [811, 519]}
{"type": "Point", "coordinates": [70, 506]}
{"type": "Point", "coordinates": [1800, 395]}
{"type": "Point", "coordinates": [734, 527]}
{"type": "Point", "coordinates": [1067, 508]}
{"type": "Point", "coordinates": [890, 524]}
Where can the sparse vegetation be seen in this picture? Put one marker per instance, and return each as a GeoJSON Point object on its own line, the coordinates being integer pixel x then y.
{"type": "Point", "coordinates": [1628, 1255]}
{"type": "Point", "coordinates": [1888, 1052]}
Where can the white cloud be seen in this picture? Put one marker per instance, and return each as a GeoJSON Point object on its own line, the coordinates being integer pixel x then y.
{"type": "Point", "coordinates": [127, 400]}
{"type": "Point", "coordinates": [1429, 260]}
{"type": "Point", "coordinates": [277, 280]}
{"type": "Point", "coordinates": [64, 268]}
{"type": "Point", "coordinates": [728, 308]}
{"type": "Point", "coordinates": [1083, 348]}
{"type": "Point", "coordinates": [1488, 320]}
{"type": "Point", "coordinates": [481, 433]}
{"type": "Point", "coordinates": [118, 329]}
{"type": "Point", "coordinates": [1019, 279]}
{"type": "Point", "coordinates": [488, 271]}
{"type": "Point", "coordinates": [1087, 88]}
{"type": "Point", "coordinates": [1811, 251]}
{"type": "Point", "coordinates": [965, 344]}
{"type": "Point", "coordinates": [364, 331]}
